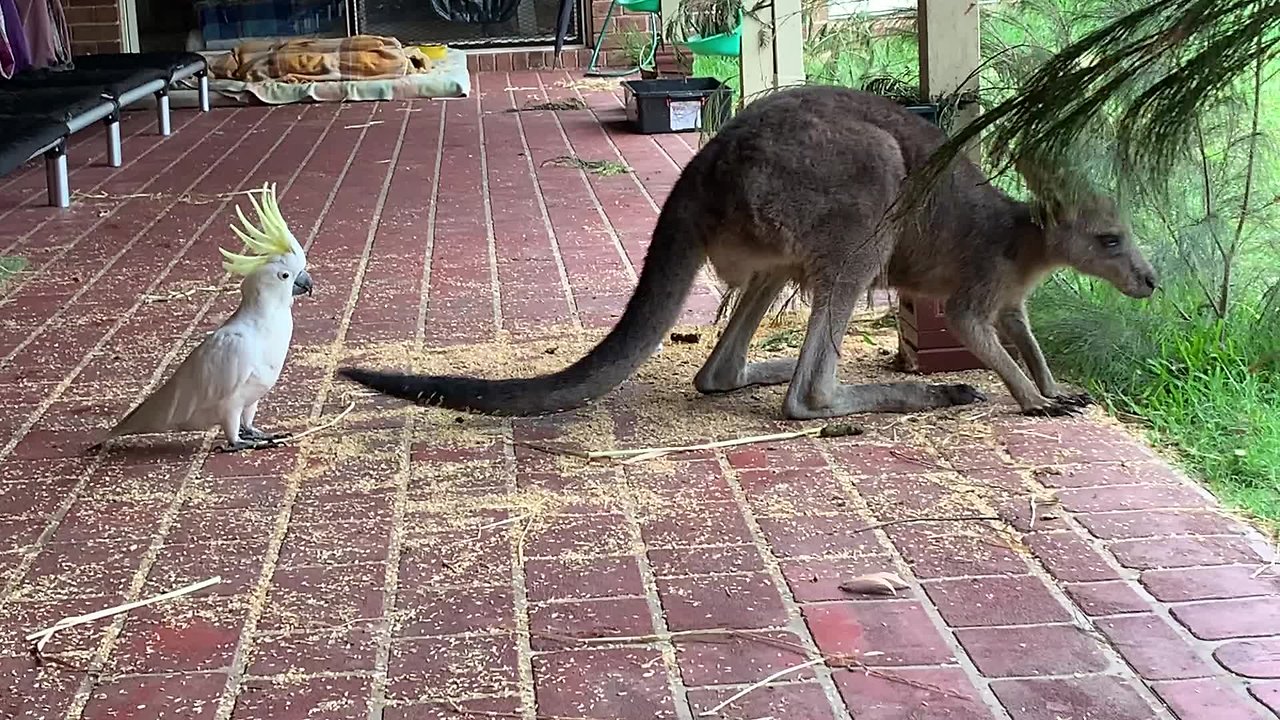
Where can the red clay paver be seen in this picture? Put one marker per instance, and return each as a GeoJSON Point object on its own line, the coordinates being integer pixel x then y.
{"type": "Point", "coordinates": [403, 576]}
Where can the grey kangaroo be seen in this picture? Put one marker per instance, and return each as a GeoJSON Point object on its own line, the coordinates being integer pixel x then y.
{"type": "Point", "coordinates": [796, 189]}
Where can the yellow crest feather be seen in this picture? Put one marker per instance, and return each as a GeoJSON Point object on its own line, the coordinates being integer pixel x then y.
{"type": "Point", "coordinates": [268, 239]}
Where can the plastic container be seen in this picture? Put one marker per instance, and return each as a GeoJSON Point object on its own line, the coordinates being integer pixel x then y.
{"type": "Point", "coordinates": [927, 111]}
{"type": "Point", "coordinates": [724, 45]}
{"type": "Point", "coordinates": [639, 6]}
{"type": "Point", "coordinates": [434, 52]}
{"type": "Point", "coordinates": [678, 105]}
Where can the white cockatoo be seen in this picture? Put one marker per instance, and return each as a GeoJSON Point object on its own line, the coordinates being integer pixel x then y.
{"type": "Point", "coordinates": [222, 380]}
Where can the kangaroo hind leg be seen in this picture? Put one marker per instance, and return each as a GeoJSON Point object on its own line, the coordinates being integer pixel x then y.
{"type": "Point", "coordinates": [726, 368]}
{"type": "Point", "coordinates": [814, 391]}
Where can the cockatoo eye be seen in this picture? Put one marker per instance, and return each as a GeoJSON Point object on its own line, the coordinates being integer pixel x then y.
{"type": "Point", "coordinates": [284, 275]}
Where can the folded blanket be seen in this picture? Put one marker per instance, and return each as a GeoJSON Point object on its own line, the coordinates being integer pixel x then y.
{"type": "Point", "coordinates": [306, 60]}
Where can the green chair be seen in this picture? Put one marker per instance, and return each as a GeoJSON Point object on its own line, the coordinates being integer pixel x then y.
{"type": "Point", "coordinates": [654, 9]}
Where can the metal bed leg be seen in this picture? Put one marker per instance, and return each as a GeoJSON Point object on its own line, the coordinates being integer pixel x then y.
{"type": "Point", "coordinates": [114, 153]}
{"type": "Point", "coordinates": [203, 79]}
{"type": "Point", "coordinates": [162, 111]}
{"type": "Point", "coordinates": [55, 168]}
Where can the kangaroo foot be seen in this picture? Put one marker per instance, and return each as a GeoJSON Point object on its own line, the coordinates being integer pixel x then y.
{"type": "Point", "coordinates": [1056, 407]}
{"type": "Point", "coordinates": [1075, 399]}
{"type": "Point", "coordinates": [776, 371]}
{"type": "Point", "coordinates": [888, 397]}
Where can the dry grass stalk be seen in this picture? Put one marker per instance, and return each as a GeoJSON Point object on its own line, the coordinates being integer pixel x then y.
{"type": "Point", "coordinates": [641, 454]}
{"type": "Point", "coordinates": [754, 686]}
{"type": "Point", "coordinates": [321, 428]}
{"type": "Point", "coordinates": [42, 637]}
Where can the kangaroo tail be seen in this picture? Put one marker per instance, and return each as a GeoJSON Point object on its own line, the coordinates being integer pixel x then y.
{"type": "Point", "coordinates": [670, 268]}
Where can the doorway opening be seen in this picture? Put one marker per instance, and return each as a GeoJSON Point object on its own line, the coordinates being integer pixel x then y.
{"type": "Point", "coordinates": [472, 24]}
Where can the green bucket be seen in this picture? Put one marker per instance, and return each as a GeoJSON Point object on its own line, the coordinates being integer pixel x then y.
{"type": "Point", "coordinates": [725, 44]}
{"type": "Point", "coordinates": [648, 6]}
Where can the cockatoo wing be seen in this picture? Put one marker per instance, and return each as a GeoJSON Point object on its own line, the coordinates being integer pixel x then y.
{"type": "Point", "coordinates": [216, 374]}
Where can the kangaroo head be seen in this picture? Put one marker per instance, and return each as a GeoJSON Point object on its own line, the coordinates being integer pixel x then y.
{"type": "Point", "coordinates": [1086, 230]}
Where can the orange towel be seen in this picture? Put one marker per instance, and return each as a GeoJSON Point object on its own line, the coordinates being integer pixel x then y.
{"type": "Point", "coordinates": [301, 60]}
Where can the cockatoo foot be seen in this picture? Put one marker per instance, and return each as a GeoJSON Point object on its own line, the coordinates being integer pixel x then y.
{"type": "Point", "coordinates": [256, 435]}
{"type": "Point", "coordinates": [241, 445]}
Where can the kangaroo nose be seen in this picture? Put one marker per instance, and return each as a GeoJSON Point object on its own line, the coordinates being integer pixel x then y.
{"type": "Point", "coordinates": [1149, 280]}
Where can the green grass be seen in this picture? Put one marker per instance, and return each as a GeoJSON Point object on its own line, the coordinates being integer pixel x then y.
{"type": "Point", "coordinates": [10, 266]}
{"type": "Point", "coordinates": [1207, 389]}
{"type": "Point", "coordinates": [724, 69]}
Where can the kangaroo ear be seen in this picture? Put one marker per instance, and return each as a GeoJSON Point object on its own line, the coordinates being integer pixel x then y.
{"type": "Point", "coordinates": [1059, 192]}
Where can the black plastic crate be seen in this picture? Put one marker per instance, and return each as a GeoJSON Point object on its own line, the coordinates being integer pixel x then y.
{"type": "Point", "coordinates": [679, 105]}
{"type": "Point", "coordinates": [928, 111]}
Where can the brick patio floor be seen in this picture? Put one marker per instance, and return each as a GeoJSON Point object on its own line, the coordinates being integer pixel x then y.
{"type": "Point", "coordinates": [398, 568]}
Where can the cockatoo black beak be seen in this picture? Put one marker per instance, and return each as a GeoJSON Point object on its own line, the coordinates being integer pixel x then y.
{"type": "Point", "coordinates": [301, 283]}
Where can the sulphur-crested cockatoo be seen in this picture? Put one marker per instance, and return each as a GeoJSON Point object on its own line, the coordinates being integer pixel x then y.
{"type": "Point", "coordinates": [222, 380]}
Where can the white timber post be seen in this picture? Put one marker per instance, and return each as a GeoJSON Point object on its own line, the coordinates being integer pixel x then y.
{"type": "Point", "coordinates": [950, 54]}
{"type": "Point", "coordinates": [772, 46]}
{"type": "Point", "coordinates": [788, 42]}
{"type": "Point", "coordinates": [667, 10]}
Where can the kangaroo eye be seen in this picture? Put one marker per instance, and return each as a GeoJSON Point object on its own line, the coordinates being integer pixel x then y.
{"type": "Point", "coordinates": [1108, 240]}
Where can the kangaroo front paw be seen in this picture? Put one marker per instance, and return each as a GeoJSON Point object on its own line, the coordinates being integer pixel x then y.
{"type": "Point", "coordinates": [1079, 400]}
{"type": "Point", "coordinates": [1057, 407]}
{"type": "Point", "coordinates": [963, 394]}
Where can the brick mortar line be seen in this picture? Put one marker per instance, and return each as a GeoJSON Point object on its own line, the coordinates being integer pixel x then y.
{"type": "Point", "coordinates": [486, 202]}
{"type": "Point", "coordinates": [109, 263]}
{"type": "Point", "coordinates": [395, 544]}
{"type": "Point", "coordinates": [682, 137]}
{"type": "Point", "coordinates": [609, 229]}
{"type": "Point", "coordinates": [293, 678]}
{"type": "Point", "coordinates": [528, 690]}
{"type": "Point", "coordinates": [237, 671]}
{"type": "Point", "coordinates": [36, 193]}
{"type": "Point", "coordinates": [593, 598]}
{"type": "Point", "coordinates": [112, 632]}
{"type": "Point", "coordinates": [1175, 536]}
{"type": "Point", "coordinates": [803, 682]}
{"type": "Point", "coordinates": [1203, 649]}
{"type": "Point", "coordinates": [650, 640]}
{"type": "Point", "coordinates": [980, 684]}
{"type": "Point", "coordinates": [367, 674]}
{"type": "Point", "coordinates": [56, 518]}
{"type": "Point", "coordinates": [679, 692]}
{"type": "Point", "coordinates": [795, 618]}
{"type": "Point", "coordinates": [708, 278]}
{"type": "Point", "coordinates": [419, 703]}
{"type": "Point", "coordinates": [542, 208]}
{"type": "Point", "coordinates": [1208, 601]}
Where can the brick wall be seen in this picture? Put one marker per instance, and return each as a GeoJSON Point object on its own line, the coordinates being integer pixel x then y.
{"type": "Point", "coordinates": [95, 25]}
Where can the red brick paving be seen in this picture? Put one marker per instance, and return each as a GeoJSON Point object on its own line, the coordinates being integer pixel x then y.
{"type": "Point", "coordinates": [348, 591]}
